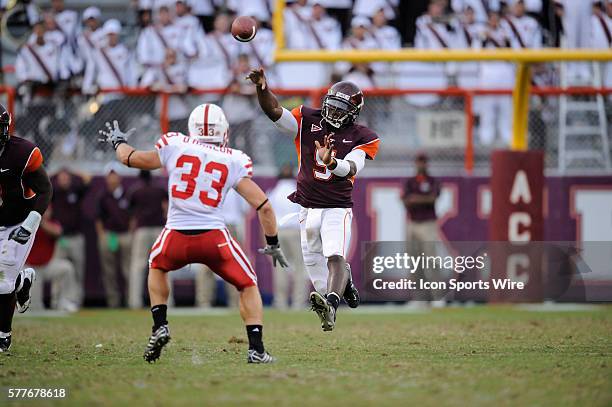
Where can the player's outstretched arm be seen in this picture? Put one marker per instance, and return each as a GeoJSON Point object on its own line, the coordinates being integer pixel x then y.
{"type": "Point", "coordinates": [268, 102]}
{"type": "Point", "coordinates": [251, 192]}
{"type": "Point", "coordinates": [126, 154]}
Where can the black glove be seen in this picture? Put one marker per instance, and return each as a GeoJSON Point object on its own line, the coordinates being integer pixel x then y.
{"type": "Point", "coordinates": [20, 235]}
{"type": "Point", "coordinates": [276, 253]}
{"type": "Point", "coordinates": [114, 135]}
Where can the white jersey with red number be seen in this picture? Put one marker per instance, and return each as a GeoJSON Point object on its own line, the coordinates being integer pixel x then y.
{"type": "Point", "coordinates": [199, 178]}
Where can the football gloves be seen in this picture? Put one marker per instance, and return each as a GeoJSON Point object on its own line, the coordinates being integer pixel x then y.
{"type": "Point", "coordinates": [276, 253]}
{"type": "Point", "coordinates": [114, 135]}
{"type": "Point", "coordinates": [21, 235]}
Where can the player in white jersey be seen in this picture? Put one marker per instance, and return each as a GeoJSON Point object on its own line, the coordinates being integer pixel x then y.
{"type": "Point", "coordinates": [201, 171]}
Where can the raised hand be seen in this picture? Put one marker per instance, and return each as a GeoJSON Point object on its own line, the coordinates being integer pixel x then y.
{"type": "Point", "coordinates": [114, 135]}
{"type": "Point", "coordinates": [258, 77]}
{"type": "Point", "coordinates": [324, 152]}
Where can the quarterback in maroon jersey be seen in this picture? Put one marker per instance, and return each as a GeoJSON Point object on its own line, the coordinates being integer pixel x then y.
{"type": "Point", "coordinates": [25, 192]}
{"type": "Point", "coordinates": [331, 150]}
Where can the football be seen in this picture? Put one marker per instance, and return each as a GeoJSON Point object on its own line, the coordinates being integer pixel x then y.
{"type": "Point", "coordinates": [244, 28]}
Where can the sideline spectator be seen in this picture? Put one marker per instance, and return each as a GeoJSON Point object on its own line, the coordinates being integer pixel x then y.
{"type": "Point", "coordinates": [64, 285]}
{"type": "Point", "coordinates": [90, 38]}
{"type": "Point", "coordinates": [114, 241]}
{"type": "Point", "coordinates": [69, 189]}
{"type": "Point", "coordinates": [420, 195]}
{"type": "Point", "coordinates": [288, 282]}
{"type": "Point", "coordinates": [148, 204]}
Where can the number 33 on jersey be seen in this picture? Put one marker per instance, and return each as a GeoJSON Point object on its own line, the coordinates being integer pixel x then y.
{"type": "Point", "coordinates": [199, 177]}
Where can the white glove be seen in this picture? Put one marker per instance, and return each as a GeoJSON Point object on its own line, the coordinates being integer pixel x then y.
{"type": "Point", "coordinates": [114, 135]}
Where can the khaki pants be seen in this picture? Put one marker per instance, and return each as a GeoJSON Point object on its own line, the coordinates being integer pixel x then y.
{"type": "Point", "coordinates": [142, 241]}
{"type": "Point", "coordinates": [64, 284]}
{"type": "Point", "coordinates": [72, 248]}
{"type": "Point", "coordinates": [421, 238]}
{"type": "Point", "coordinates": [205, 281]}
{"type": "Point", "coordinates": [109, 261]}
{"type": "Point", "coordinates": [291, 281]}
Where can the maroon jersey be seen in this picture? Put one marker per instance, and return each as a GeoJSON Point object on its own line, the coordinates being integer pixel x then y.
{"type": "Point", "coordinates": [19, 158]}
{"type": "Point", "coordinates": [317, 187]}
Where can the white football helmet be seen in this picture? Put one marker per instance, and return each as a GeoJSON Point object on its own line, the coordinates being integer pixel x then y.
{"type": "Point", "coordinates": [207, 122]}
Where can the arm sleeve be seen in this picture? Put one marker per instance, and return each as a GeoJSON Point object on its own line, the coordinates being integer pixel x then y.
{"type": "Point", "coordinates": [369, 147]}
{"type": "Point", "coordinates": [244, 168]}
{"type": "Point", "coordinates": [357, 156]}
{"type": "Point", "coordinates": [290, 121]}
{"type": "Point", "coordinates": [163, 148]}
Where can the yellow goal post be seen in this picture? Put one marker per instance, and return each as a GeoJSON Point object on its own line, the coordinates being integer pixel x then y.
{"type": "Point", "coordinates": [522, 58]}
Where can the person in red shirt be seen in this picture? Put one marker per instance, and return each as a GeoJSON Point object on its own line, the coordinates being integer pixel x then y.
{"type": "Point", "coordinates": [61, 272]}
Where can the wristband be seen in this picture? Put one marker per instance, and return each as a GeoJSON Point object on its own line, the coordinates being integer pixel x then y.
{"type": "Point", "coordinates": [342, 168]}
{"type": "Point", "coordinates": [262, 205]}
{"type": "Point", "coordinates": [272, 240]}
{"type": "Point", "coordinates": [118, 143]}
{"type": "Point", "coordinates": [32, 221]}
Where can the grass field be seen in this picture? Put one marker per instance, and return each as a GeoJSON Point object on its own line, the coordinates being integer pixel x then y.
{"type": "Point", "coordinates": [475, 356]}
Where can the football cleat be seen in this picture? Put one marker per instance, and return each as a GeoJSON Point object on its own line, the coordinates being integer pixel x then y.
{"type": "Point", "coordinates": [255, 357]}
{"type": "Point", "coordinates": [351, 295]}
{"type": "Point", "coordinates": [5, 344]}
{"type": "Point", "coordinates": [23, 291]}
{"type": "Point", "coordinates": [325, 311]}
{"type": "Point", "coordinates": [157, 341]}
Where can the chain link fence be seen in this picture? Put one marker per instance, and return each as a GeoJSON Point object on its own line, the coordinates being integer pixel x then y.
{"type": "Point", "coordinates": [455, 128]}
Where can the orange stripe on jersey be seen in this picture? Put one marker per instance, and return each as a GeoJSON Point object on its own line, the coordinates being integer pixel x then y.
{"type": "Point", "coordinates": [164, 139]}
{"type": "Point", "coordinates": [371, 148]}
{"type": "Point", "coordinates": [34, 161]}
{"type": "Point", "coordinates": [297, 113]}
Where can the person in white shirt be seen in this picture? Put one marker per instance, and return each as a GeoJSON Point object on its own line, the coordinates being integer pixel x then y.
{"type": "Point", "coordinates": [90, 38]}
{"type": "Point", "coordinates": [467, 32]}
{"type": "Point", "coordinates": [522, 30]}
{"type": "Point", "coordinates": [188, 24]}
{"type": "Point", "coordinates": [495, 111]}
{"type": "Point", "coordinates": [171, 77]}
{"type": "Point", "coordinates": [341, 10]}
{"type": "Point", "coordinates": [154, 40]}
{"type": "Point", "coordinates": [432, 32]}
{"type": "Point", "coordinates": [293, 281]}
{"type": "Point", "coordinates": [302, 31]}
{"type": "Point", "coordinates": [109, 67]}
{"type": "Point", "coordinates": [212, 57]}
{"type": "Point", "coordinates": [201, 171]}
{"type": "Point", "coordinates": [39, 66]}
{"type": "Point", "coordinates": [386, 37]}
{"type": "Point", "coordinates": [67, 20]}
{"type": "Point", "coordinates": [361, 74]}
{"type": "Point", "coordinates": [601, 38]}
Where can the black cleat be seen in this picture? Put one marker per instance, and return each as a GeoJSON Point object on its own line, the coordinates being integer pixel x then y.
{"type": "Point", "coordinates": [157, 341]}
{"type": "Point", "coordinates": [255, 357]}
{"type": "Point", "coordinates": [325, 311]}
{"type": "Point", "coordinates": [5, 344]}
{"type": "Point", "coordinates": [351, 295]}
{"type": "Point", "coordinates": [23, 291]}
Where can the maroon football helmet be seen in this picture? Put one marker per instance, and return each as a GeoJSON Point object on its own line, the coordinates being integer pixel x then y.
{"type": "Point", "coordinates": [342, 104]}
